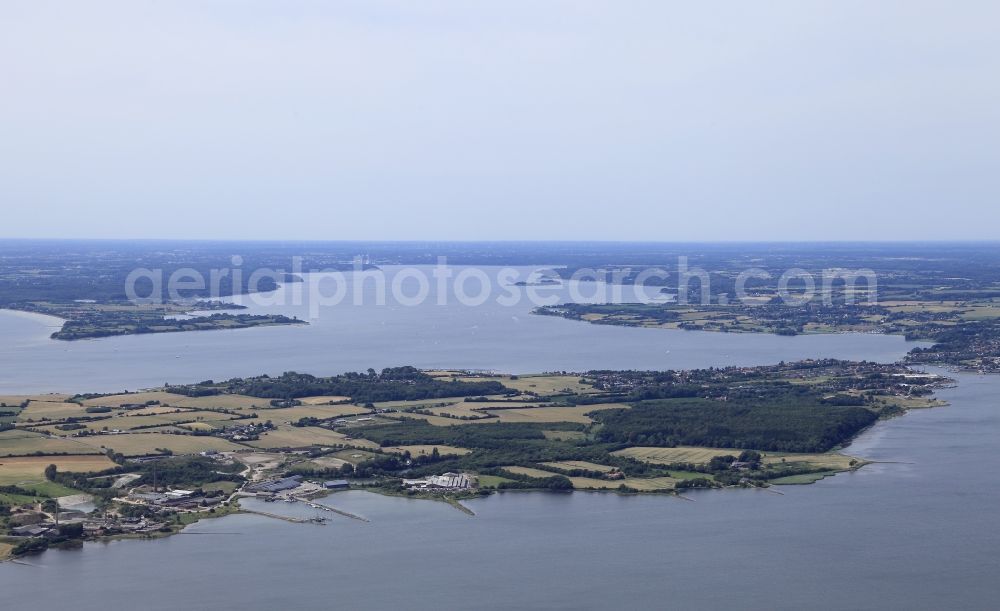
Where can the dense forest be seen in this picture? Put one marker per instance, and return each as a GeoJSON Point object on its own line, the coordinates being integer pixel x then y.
{"type": "Point", "coordinates": [391, 384]}
{"type": "Point", "coordinates": [118, 323]}
{"type": "Point", "coordinates": [785, 423]}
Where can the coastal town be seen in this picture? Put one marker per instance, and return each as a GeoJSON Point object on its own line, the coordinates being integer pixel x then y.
{"type": "Point", "coordinates": [151, 510]}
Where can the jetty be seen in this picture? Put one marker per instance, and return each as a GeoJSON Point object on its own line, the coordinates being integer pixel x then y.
{"type": "Point", "coordinates": [286, 518]}
{"type": "Point", "coordinates": [341, 512]}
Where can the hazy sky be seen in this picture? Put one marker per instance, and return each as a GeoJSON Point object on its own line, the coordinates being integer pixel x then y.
{"type": "Point", "coordinates": [500, 120]}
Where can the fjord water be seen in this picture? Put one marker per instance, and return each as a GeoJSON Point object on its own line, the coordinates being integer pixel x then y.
{"type": "Point", "coordinates": [914, 531]}
{"type": "Point", "coordinates": [349, 337]}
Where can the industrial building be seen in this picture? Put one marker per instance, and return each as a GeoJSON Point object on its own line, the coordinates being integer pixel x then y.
{"type": "Point", "coordinates": [276, 485]}
{"type": "Point", "coordinates": [448, 481]}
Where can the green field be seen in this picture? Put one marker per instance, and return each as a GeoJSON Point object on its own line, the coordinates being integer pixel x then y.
{"type": "Point", "coordinates": [492, 481]}
{"type": "Point", "coordinates": [807, 478]}
{"type": "Point", "coordinates": [689, 475]}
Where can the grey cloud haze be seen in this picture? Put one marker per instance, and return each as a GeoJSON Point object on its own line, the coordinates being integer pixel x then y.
{"type": "Point", "coordinates": [500, 120]}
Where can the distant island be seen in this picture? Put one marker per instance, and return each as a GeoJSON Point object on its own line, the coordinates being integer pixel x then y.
{"type": "Point", "coordinates": [157, 460]}
{"type": "Point", "coordinates": [539, 282]}
{"type": "Point", "coordinates": [965, 333]}
{"type": "Point", "coordinates": [92, 319]}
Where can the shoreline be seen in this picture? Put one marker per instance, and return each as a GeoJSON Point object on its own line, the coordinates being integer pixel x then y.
{"type": "Point", "coordinates": [804, 467]}
{"type": "Point", "coordinates": [236, 509]}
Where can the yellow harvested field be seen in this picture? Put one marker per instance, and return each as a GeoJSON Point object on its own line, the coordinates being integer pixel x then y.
{"type": "Point", "coordinates": [18, 442]}
{"type": "Point", "coordinates": [529, 471]}
{"type": "Point", "coordinates": [441, 420]}
{"type": "Point", "coordinates": [18, 399]}
{"type": "Point", "coordinates": [38, 410]}
{"type": "Point", "coordinates": [576, 413]}
{"type": "Point", "coordinates": [5, 549]}
{"type": "Point", "coordinates": [585, 483]}
{"type": "Point", "coordinates": [175, 400]}
{"type": "Point", "coordinates": [178, 416]}
{"type": "Point", "coordinates": [223, 402]}
{"type": "Point", "coordinates": [146, 411]}
{"type": "Point", "coordinates": [11, 401]}
{"type": "Point", "coordinates": [426, 450]}
{"type": "Point", "coordinates": [133, 398]}
{"type": "Point", "coordinates": [24, 469]}
{"type": "Point", "coordinates": [569, 465]}
{"type": "Point", "coordinates": [305, 436]}
{"type": "Point", "coordinates": [645, 484]}
{"type": "Point", "coordinates": [666, 456]}
{"type": "Point", "coordinates": [291, 414]}
{"type": "Point", "coordinates": [324, 400]}
{"type": "Point", "coordinates": [128, 421]}
{"type": "Point", "coordinates": [137, 444]}
{"type": "Point", "coordinates": [540, 384]}
{"type": "Point", "coordinates": [15, 400]}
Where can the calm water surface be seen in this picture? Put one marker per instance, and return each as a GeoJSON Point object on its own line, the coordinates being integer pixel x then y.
{"type": "Point", "coordinates": [347, 337]}
{"type": "Point", "coordinates": [915, 532]}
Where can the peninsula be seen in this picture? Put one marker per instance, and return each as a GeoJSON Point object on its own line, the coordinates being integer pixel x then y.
{"type": "Point", "coordinates": [153, 461]}
{"type": "Point", "coordinates": [91, 319]}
